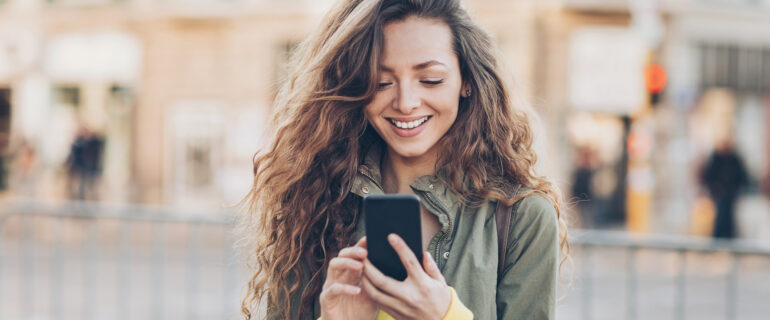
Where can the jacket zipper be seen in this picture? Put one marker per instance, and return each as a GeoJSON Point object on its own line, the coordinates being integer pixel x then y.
{"type": "Point", "coordinates": [431, 200]}
{"type": "Point", "coordinates": [362, 171]}
{"type": "Point", "coordinates": [441, 238]}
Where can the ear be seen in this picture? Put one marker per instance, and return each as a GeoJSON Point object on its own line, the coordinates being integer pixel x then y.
{"type": "Point", "coordinates": [465, 90]}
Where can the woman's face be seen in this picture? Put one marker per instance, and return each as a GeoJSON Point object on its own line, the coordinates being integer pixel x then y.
{"type": "Point", "coordinates": [419, 86]}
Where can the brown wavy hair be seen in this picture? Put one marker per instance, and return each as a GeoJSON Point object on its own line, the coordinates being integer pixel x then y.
{"type": "Point", "coordinates": [300, 212]}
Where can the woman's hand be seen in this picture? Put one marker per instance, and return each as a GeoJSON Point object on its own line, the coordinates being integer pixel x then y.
{"type": "Point", "coordinates": [342, 297]}
{"type": "Point", "coordinates": [422, 295]}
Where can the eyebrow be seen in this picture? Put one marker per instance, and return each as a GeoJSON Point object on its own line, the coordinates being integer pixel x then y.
{"type": "Point", "coordinates": [418, 66]}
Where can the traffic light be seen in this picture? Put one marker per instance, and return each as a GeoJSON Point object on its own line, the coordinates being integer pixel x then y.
{"type": "Point", "coordinates": [654, 82]}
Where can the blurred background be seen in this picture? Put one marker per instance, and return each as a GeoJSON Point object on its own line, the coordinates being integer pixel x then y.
{"type": "Point", "coordinates": [127, 130]}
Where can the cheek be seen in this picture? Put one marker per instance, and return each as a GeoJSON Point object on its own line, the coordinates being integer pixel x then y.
{"type": "Point", "coordinates": [448, 100]}
{"type": "Point", "coordinates": [369, 112]}
{"type": "Point", "coordinates": [375, 107]}
{"type": "Point", "coordinates": [448, 105]}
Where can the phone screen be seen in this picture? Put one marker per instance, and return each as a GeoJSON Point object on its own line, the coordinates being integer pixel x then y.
{"type": "Point", "coordinates": [392, 213]}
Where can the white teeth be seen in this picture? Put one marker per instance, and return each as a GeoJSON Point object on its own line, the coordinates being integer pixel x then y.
{"type": "Point", "coordinates": [410, 124]}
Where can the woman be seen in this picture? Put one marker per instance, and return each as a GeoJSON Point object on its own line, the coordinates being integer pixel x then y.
{"type": "Point", "coordinates": [400, 97]}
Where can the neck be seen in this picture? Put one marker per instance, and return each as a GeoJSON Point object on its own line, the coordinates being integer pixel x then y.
{"type": "Point", "coordinates": [399, 172]}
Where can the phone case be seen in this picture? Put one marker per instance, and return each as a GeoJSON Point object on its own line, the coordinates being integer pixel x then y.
{"type": "Point", "coordinates": [392, 213]}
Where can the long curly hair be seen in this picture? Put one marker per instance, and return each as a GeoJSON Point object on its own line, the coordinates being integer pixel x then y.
{"type": "Point", "coordinates": [299, 212]}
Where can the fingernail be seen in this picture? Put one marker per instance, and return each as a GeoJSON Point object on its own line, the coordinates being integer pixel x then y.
{"type": "Point", "coordinates": [392, 238]}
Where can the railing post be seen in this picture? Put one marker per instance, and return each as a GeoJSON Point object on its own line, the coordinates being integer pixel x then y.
{"type": "Point", "coordinates": [124, 272]}
{"type": "Point", "coordinates": [732, 287]}
{"type": "Point", "coordinates": [587, 295]}
{"type": "Point", "coordinates": [55, 295]}
{"type": "Point", "coordinates": [158, 241]}
{"type": "Point", "coordinates": [193, 250]}
{"type": "Point", "coordinates": [229, 276]}
{"type": "Point", "coordinates": [26, 250]}
{"type": "Point", "coordinates": [632, 283]}
{"type": "Point", "coordinates": [90, 269]}
{"type": "Point", "coordinates": [681, 286]}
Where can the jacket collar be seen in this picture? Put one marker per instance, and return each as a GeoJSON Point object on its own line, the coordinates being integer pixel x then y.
{"type": "Point", "coordinates": [368, 181]}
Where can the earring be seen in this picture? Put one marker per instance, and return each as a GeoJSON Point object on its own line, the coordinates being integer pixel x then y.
{"type": "Point", "coordinates": [468, 93]}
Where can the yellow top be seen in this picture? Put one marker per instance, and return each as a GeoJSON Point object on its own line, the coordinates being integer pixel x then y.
{"type": "Point", "coordinates": [456, 311]}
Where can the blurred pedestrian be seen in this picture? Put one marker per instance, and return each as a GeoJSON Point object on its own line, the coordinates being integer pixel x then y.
{"type": "Point", "coordinates": [84, 164]}
{"type": "Point", "coordinates": [5, 116]}
{"type": "Point", "coordinates": [724, 175]}
{"type": "Point", "coordinates": [24, 169]}
{"type": "Point", "coordinates": [402, 96]}
{"type": "Point", "coordinates": [582, 185]}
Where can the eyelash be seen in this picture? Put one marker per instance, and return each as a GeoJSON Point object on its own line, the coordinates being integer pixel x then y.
{"type": "Point", "coordinates": [383, 85]}
{"type": "Point", "coordinates": [432, 82]}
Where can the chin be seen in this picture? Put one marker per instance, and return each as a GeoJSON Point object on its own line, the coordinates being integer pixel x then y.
{"type": "Point", "coordinates": [414, 152]}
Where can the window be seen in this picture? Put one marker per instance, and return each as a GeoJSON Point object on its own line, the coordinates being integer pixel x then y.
{"type": "Point", "coordinates": [66, 95]}
{"type": "Point", "coordinates": [739, 3]}
{"type": "Point", "coordinates": [120, 97]}
{"type": "Point", "coordinates": [82, 2]}
{"type": "Point", "coordinates": [743, 69]}
{"type": "Point", "coordinates": [198, 159]}
{"type": "Point", "coordinates": [193, 157]}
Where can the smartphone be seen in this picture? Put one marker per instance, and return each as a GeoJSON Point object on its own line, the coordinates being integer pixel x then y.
{"type": "Point", "coordinates": [392, 213]}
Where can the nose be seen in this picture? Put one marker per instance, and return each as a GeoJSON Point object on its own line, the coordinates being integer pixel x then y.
{"type": "Point", "coordinates": [408, 99]}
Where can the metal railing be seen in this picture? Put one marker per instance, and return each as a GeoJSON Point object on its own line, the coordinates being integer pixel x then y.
{"type": "Point", "coordinates": [170, 263]}
{"type": "Point", "coordinates": [60, 273]}
{"type": "Point", "coordinates": [590, 241]}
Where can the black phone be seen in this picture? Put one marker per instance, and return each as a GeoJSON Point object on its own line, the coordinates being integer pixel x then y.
{"type": "Point", "coordinates": [392, 213]}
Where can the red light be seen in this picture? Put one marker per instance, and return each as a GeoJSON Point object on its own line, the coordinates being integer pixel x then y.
{"type": "Point", "coordinates": [654, 78]}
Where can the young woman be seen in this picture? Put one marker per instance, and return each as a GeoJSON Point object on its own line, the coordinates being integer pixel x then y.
{"type": "Point", "coordinates": [400, 96]}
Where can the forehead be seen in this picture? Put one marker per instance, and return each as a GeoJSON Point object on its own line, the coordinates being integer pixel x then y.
{"type": "Point", "coordinates": [415, 40]}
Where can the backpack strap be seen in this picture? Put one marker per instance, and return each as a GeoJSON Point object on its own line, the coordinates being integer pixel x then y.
{"type": "Point", "coordinates": [503, 220]}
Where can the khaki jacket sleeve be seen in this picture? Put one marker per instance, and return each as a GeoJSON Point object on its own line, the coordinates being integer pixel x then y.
{"type": "Point", "coordinates": [527, 287]}
{"type": "Point", "coordinates": [274, 312]}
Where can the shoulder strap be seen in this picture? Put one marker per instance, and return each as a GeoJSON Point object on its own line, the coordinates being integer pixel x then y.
{"type": "Point", "coordinates": [503, 219]}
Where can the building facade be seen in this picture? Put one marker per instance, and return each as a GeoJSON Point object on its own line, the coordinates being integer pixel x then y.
{"type": "Point", "coordinates": [181, 90]}
{"type": "Point", "coordinates": [715, 57]}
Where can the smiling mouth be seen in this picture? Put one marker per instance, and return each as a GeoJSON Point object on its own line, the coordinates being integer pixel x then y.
{"type": "Point", "coordinates": [406, 125]}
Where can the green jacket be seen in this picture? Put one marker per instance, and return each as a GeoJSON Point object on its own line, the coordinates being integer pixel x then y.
{"type": "Point", "coordinates": [466, 249]}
